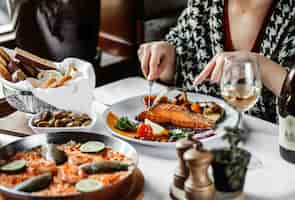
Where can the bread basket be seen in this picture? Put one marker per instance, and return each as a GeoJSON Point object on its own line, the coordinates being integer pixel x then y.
{"type": "Point", "coordinates": [75, 96]}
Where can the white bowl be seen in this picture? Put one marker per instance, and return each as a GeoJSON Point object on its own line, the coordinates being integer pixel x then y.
{"type": "Point", "coordinates": [40, 130]}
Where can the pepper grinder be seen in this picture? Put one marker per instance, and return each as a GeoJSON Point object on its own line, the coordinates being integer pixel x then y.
{"type": "Point", "coordinates": [182, 171]}
{"type": "Point", "coordinates": [198, 186]}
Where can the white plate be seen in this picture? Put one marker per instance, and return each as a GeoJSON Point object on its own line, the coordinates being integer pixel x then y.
{"type": "Point", "coordinates": [133, 106]}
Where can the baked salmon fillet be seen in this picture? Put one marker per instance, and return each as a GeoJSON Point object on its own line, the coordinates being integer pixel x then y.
{"type": "Point", "coordinates": [177, 115]}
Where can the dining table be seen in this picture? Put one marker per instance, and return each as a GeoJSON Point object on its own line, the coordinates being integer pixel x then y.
{"type": "Point", "coordinates": [269, 177]}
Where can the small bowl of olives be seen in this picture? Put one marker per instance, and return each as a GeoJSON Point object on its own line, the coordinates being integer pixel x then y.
{"type": "Point", "coordinates": [61, 121]}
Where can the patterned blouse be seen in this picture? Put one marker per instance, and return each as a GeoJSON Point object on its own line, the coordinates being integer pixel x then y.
{"type": "Point", "coordinates": [199, 35]}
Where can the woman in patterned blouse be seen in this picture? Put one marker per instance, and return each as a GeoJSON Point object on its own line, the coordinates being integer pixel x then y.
{"type": "Point", "coordinates": [207, 28]}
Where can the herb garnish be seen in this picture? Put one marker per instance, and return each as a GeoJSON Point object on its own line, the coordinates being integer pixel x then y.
{"type": "Point", "coordinates": [125, 124]}
{"type": "Point", "coordinates": [177, 134]}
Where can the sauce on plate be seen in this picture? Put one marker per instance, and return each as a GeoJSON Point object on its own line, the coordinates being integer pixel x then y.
{"type": "Point", "coordinates": [112, 120]}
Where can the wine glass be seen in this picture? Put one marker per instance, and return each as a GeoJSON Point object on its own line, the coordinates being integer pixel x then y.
{"type": "Point", "coordinates": [241, 87]}
{"type": "Point", "coordinates": [241, 83]}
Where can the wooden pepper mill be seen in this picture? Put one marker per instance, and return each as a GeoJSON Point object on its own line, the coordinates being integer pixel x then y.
{"type": "Point", "coordinates": [182, 171]}
{"type": "Point", "coordinates": [198, 186]}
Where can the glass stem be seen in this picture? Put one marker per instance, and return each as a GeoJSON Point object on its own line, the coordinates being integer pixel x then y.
{"type": "Point", "coordinates": [240, 114]}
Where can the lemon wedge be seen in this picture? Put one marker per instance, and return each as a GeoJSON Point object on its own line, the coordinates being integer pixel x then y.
{"type": "Point", "coordinates": [157, 129]}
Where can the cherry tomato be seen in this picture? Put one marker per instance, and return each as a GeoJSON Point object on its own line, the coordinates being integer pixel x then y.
{"type": "Point", "coordinates": [145, 131]}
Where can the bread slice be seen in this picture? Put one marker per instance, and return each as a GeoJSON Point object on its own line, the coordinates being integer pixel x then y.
{"type": "Point", "coordinates": [33, 60]}
{"type": "Point", "coordinates": [29, 70]}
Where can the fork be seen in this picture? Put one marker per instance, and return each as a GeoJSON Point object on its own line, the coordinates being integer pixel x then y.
{"type": "Point", "coordinates": [151, 84]}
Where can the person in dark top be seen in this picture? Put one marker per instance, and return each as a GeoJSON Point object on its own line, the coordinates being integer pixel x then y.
{"type": "Point", "coordinates": [207, 28]}
{"type": "Point", "coordinates": [56, 29]}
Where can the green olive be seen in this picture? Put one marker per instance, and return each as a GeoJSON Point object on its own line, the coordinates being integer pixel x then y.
{"type": "Point", "coordinates": [36, 183]}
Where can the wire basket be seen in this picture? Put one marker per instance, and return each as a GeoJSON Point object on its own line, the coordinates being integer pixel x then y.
{"type": "Point", "coordinates": [25, 101]}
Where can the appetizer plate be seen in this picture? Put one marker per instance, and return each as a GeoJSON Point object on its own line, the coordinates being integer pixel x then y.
{"type": "Point", "coordinates": [131, 107]}
{"type": "Point", "coordinates": [40, 130]}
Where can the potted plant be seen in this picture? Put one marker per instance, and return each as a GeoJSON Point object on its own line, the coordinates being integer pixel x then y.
{"type": "Point", "coordinates": [230, 164]}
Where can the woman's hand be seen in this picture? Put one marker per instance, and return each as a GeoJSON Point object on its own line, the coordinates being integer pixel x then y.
{"type": "Point", "coordinates": [157, 60]}
{"type": "Point", "coordinates": [213, 70]}
{"type": "Point", "coordinates": [272, 74]}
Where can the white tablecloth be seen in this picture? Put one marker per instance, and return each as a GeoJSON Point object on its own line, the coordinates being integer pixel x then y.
{"type": "Point", "coordinates": [274, 180]}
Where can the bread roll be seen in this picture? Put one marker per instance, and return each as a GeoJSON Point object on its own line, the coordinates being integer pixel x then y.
{"type": "Point", "coordinates": [63, 81]}
{"type": "Point", "coordinates": [18, 75]}
{"type": "Point", "coordinates": [5, 55]}
{"type": "Point", "coordinates": [4, 72]}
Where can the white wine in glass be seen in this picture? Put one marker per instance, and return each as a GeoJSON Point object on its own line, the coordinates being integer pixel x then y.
{"type": "Point", "coordinates": [240, 83]}
{"type": "Point", "coordinates": [241, 97]}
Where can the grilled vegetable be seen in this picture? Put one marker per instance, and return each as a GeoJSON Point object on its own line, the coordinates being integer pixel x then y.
{"type": "Point", "coordinates": [14, 166]}
{"type": "Point", "coordinates": [52, 153]}
{"type": "Point", "coordinates": [214, 112]}
{"type": "Point", "coordinates": [195, 107]}
{"type": "Point", "coordinates": [215, 117]}
{"type": "Point", "coordinates": [104, 167]}
{"type": "Point", "coordinates": [125, 124]}
{"type": "Point", "coordinates": [88, 185]}
{"type": "Point", "coordinates": [35, 184]}
{"type": "Point", "coordinates": [92, 147]}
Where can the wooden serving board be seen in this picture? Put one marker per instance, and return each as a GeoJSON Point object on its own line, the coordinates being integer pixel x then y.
{"type": "Point", "coordinates": [136, 190]}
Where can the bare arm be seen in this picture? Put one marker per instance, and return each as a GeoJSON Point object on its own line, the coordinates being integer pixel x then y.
{"type": "Point", "coordinates": [272, 74]}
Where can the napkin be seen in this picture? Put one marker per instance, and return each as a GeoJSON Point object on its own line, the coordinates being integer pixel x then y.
{"type": "Point", "coordinates": [77, 95]}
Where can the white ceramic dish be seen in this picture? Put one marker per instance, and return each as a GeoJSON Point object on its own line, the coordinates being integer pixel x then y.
{"type": "Point", "coordinates": [40, 130]}
{"type": "Point", "coordinates": [133, 106]}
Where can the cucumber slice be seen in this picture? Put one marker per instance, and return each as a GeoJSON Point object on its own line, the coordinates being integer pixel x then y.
{"type": "Point", "coordinates": [36, 183]}
{"type": "Point", "coordinates": [92, 147]}
{"type": "Point", "coordinates": [14, 166]}
{"type": "Point", "coordinates": [88, 185]}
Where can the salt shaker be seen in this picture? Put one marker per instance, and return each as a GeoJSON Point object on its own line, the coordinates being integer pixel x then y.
{"type": "Point", "coordinates": [198, 186]}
